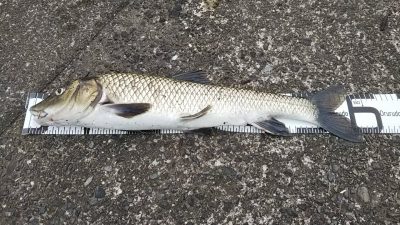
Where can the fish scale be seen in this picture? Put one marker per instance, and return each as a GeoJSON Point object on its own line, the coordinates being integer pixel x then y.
{"type": "Point", "coordinates": [186, 97]}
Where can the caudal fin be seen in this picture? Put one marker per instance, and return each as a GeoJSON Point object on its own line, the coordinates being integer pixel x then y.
{"type": "Point", "coordinates": [327, 102]}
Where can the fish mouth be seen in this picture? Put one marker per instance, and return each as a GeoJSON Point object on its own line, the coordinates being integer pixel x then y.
{"type": "Point", "coordinates": [39, 114]}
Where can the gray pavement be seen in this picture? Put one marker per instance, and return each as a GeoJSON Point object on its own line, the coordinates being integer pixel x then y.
{"type": "Point", "coordinates": [279, 46]}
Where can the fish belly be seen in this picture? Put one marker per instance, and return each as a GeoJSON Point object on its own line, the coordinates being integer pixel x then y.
{"type": "Point", "coordinates": [153, 120]}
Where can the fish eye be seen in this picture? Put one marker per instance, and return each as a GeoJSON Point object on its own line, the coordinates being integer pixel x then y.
{"type": "Point", "coordinates": [59, 91]}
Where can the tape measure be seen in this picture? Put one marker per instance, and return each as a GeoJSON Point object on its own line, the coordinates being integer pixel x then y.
{"type": "Point", "coordinates": [373, 113]}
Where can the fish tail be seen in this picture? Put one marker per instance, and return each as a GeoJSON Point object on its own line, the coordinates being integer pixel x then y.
{"type": "Point", "coordinates": [327, 101]}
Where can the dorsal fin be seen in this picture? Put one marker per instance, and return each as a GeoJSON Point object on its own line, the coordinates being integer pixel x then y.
{"type": "Point", "coordinates": [193, 76]}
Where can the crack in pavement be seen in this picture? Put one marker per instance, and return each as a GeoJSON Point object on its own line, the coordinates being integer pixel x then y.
{"type": "Point", "coordinates": [63, 66]}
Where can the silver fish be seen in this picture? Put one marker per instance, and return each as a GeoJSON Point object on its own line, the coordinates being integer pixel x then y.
{"type": "Point", "coordinates": [128, 101]}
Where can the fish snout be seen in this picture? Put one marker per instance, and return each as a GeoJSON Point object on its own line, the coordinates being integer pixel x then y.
{"type": "Point", "coordinates": [38, 113]}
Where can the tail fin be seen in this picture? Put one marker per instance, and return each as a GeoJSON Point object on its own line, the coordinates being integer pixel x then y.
{"type": "Point", "coordinates": [327, 102]}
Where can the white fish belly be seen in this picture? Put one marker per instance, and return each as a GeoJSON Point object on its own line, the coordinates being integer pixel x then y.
{"type": "Point", "coordinates": [153, 120]}
{"type": "Point", "coordinates": [145, 121]}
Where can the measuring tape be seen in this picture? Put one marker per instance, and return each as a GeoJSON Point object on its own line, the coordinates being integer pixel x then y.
{"type": "Point", "coordinates": [373, 113]}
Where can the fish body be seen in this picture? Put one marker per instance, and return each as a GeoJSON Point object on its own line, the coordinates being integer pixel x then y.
{"type": "Point", "coordinates": [128, 101]}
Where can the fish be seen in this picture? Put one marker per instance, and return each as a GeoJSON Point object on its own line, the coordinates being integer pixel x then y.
{"type": "Point", "coordinates": [186, 101]}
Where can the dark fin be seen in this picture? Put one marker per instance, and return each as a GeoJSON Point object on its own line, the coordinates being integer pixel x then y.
{"type": "Point", "coordinates": [273, 126]}
{"type": "Point", "coordinates": [327, 102]}
{"type": "Point", "coordinates": [329, 99]}
{"type": "Point", "coordinates": [129, 110]}
{"type": "Point", "coordinates": [197, 115]}
{"type": "Point", "coordinates": [194, 76]}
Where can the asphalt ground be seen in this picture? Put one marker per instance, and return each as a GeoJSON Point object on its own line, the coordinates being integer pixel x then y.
{"type": "Point", "coordinates": [278, 46]}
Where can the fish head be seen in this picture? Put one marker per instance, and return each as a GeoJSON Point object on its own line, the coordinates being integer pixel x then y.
{"type": "Point", "coordinates": [67, 106]}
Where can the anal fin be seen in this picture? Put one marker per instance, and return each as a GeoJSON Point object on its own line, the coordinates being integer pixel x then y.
{"type": "Point", "coordinates": [198, 114]}
{"type": "Point", "coordinates": [272, 126]}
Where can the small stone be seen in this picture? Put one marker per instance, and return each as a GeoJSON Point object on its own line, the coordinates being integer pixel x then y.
{"type": "Point", "coordinates": [375, 165]}
{"type": "Point", "coordinates": [346, 194]}
{"type": "Point", "coordinates": [8, 214]}
{"type": "Point", "coordinates": [393, 214]}
{"type": "Point", "coordinates": [335, 168]}
{"type": "Point", "coordinates": [228, 172]}
{"type": "Point", "coordinates": [99, 192]}
{"type": "Point", "coordinates": [77, 212]}
{"type": "Point", "coordinates": [42, 210]}
{"type": "Point", "coordinates": [306, 41]}
{"type": "Point", "coordinates": [124, 34]}
{"type": "Point", "coordinates": [289, 212]}
{"type": "Point", "coordinates": [288, 173]}
{"type": "Point", "coordinates": [339, 198]}
{"type": "Point", "coordinates": [375, 199]}
{"type": "Point", "coordinates": [93, 201]}
{"type": "Point", "coordinates": [350, 216]}
{"type": "Point", "coordinates": [211, 4]}
{"type": "Point", "coordinates": [397, 199]}
{"type": "Point", "coordinates": [351, 206]}
{"type": "Point", "coordinates": [91, 144]}
{"type": "Point", "coordinates": [391, 154]}
{"type": "Point", "coordinates": [363, 193]}
{"type": "Point", "coordinates": [267, 69]}
{"type": "Point", "coordinates": [331, 176]}
{"type": "Point", "coordinates": [4, 191]}
{"type": "Point", "coordinates": [153, 176]}
{"type": "Point", "coordinates": [336, 188]}
{"type": "Point", "coordinates": [108, 168]}
{"type": "Point", "coordinates": [88, 181]}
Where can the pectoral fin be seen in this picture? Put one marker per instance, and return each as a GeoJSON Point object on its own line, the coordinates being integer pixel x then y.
{"type": "Point", "coordinates": [273, 126]}
{"type": "Point", "coordinates": [198, 114]}
{"type": "Point", "coordinates": [129, 110]}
